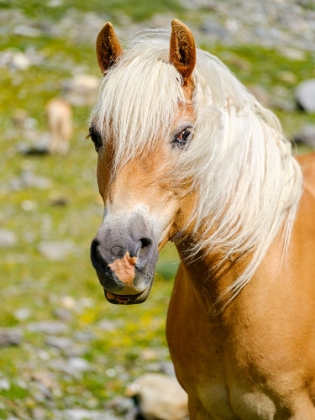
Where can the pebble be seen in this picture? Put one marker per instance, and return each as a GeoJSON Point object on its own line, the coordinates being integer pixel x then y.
{"type": "Point", "coordinates": [82, 90]}
{"type": "Point", "coordinates": [10, 337]}
{"type": "Point", "coordinates": [7, 238]}
{"type": "Point", "coordinates": [81, 414]}
{"type": "Point", "coordinates": [305, 95]}
{"type": "Point", "coordinates": [306, 136]}
{"type": "Point", "coordinates": [48, 327]}
{"type": "Point", "coordinates": [56, 250]}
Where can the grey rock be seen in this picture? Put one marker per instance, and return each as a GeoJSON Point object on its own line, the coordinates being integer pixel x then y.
{"type": "Point", "coordinates": [27, 31]}
{"type": "Point", "coordinates": [211, 27]}
{"type": "Point", "coordinates": [160, 397]}
{"type": "Point", "coordinates": [107, 325]}
{"type": "Point", "coordinates": [28, 179]}
{"type": "Point", "coordinates": [61, 343]}
{"type": "Point", "coordinates": [22, 314]}
{"type": "Point", "coordinates": [4, 384]}
{"type": "Point", "coordinates": [306, 136]}
{"type": "Point", "coordinates": [305, 95]}
{"type": "Point", "coordinates": [63, 314]}
{"type": "Point", "coordinates": [20, 61]}
{"type": "Point", "coordinates": [48, 327]}
{"type": "Point", "coordinates": [73, 366]}
{"type": "Point", "coordinates": [82, 90]}
{"type": "Point", "coordinates": [56, 250]}
{"type": "Point", "coordinates": [10, 337]}
{"type": "Point", "coordinates": [7, 238]}
{"type": "Point", "coordinates": [123, 407]}
{"type": "Point", "coordinates": [82, 414]}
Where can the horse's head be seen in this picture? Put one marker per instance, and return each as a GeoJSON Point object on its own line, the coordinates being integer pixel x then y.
{"type": "Point", "coordinates": [138, 141]}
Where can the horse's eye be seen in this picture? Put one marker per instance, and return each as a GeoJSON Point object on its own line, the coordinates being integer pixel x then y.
{"type": "Point", "coordinates": [96, 138]}
{"type": "Point", "coordinates": [181, 140]}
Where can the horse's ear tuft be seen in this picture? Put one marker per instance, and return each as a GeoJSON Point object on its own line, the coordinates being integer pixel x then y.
{"type": "Point", "coordinates": [108, 48]}
{"type": "Point", "coordinates": [182, 49]}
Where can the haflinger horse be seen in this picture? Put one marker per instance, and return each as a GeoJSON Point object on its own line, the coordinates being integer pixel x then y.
{"type": "Point", "coordinates": [59, 123]}
{"type": "Point", "coordinates": [187, 154]}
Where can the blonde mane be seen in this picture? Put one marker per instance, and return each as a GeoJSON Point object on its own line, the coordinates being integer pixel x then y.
{"type": "Point", "coordinates": [241, 164]}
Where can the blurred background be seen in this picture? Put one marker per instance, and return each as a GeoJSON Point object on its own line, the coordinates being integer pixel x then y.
{"type": "Point", "coordinates": [65, 353]}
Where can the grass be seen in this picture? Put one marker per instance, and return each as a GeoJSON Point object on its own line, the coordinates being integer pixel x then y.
{"type": "Point", "coordinates": [28, 280]}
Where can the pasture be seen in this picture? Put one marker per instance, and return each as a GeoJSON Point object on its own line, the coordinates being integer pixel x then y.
{"type": "Point", "coordinates": [108, 345]}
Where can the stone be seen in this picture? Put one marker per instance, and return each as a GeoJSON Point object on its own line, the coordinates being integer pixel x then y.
{"type": "Point", "coordinates": [48, 327]}
{"type": "Point", "coordinates": [82, 90]}
{"type": "Point", "coordinates": [20, 61]}
{"type": "Point", "coordinates": [56, 250]}
{"type": "Point", "coordinates": [305, 95]}
{"type": "Point", "coordinates": [61, 343]}
{"type": "Point", "coordinates": [4, 384]}
{"type": "Point", "coordinates": [160, 397]}
{"type": "Point", "coordinates": [7, 238]}
{"type": "Point", "coordinates": [10, 337]}
{"type": "Point", "coordinates": [306, 136]}
{"type": "Point", "coordinates": [22, 314]}
{"type": "Point", "coordinates": [211, 27]}
{"type": "Point", "coordinates": [82, 414]}
{"type": "Point", "coordinates": [27, 31]}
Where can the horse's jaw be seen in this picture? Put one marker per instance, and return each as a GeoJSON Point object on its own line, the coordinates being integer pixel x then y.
{"type": "Point", "coordinates": [128, 299]}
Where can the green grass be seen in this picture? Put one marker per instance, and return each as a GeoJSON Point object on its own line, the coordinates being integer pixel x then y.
{"type": "Point", "coordinates": [137, 10]}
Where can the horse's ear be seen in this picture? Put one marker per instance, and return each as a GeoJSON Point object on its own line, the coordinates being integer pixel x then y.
{"type": "Point", "coordinates": [182, 49]}
{"type": "Point", "coordinates": [108, 48]}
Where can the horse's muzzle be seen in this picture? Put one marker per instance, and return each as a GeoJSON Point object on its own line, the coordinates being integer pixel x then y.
{"type": "Point", "coordinates": [124, 256]}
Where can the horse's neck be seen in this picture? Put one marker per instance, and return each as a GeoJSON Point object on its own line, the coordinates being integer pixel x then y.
{"type": "Point", "coordinates": [209, 278]}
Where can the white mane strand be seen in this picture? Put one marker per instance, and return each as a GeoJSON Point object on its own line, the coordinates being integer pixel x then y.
{"type": "Point", "coordinates": [240, 162]}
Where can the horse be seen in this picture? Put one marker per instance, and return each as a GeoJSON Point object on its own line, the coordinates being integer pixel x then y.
{"type": "Point", "coordinates": [59, 122]}
{"type": "Point", "coordinates": [187, 154]}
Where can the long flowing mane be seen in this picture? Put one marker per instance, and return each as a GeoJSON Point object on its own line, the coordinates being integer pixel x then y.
{"type": "Point", "coordinates": [241, 164]}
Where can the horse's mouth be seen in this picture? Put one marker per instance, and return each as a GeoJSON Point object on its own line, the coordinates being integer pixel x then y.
{"type": "Point", "coordinates": [127, 299]}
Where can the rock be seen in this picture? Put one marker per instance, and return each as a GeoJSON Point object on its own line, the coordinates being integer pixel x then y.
{"type": "Point", "coordinates": [123, 407]}
{"type": "Point", "coordinates": [56, 250]}
{"type": "Point", "coordinates": [22, 314]}
{"type": "Point", "coordinates": [106, 325]}
{"type": "Point", "coordinates": [159, 397]}
{"type": "Point", "coordinates": [82, 90]}
{"type": "Point", "coordinates": [48, 327]}
{"type": "Point", "coordinates": [7, 238]}
{"type": "Point", "coordinates": [305, 95]}
{"type": "Point", "coordinates": [81, 414]}
{"type": "Point", "coordinates": [61, 343]}
{"type": "Point", "coordinates": [10, 337]}
{"type": "Point", "coordinates": [63, 314]}
{"type": "Point", "coordinates": [28, 179]}
{"type": "Point", "coordinates": [306, 136]}
{"type": "Point", "coordinates": [211, 27]}
{"type": "Point", "coordinates": [4, 384]}
{"type": "Point", "coordinates": [74, 366]}
{"type": "Point", "coordinates": [39, 147]}
{"type": "Point", "coordinates": [293, 53]}
{"type": "Point", "coordinates": [20, 61]}
{"type": "Point", "coordinates": [27, 31]}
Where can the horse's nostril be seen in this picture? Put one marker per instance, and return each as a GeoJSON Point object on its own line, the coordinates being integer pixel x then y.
{"type": "Point", "coordinates": [145, 242]}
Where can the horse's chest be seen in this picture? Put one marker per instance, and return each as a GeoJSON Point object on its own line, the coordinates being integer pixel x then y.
{"type": "Point", "coordinates": [208, 371]}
